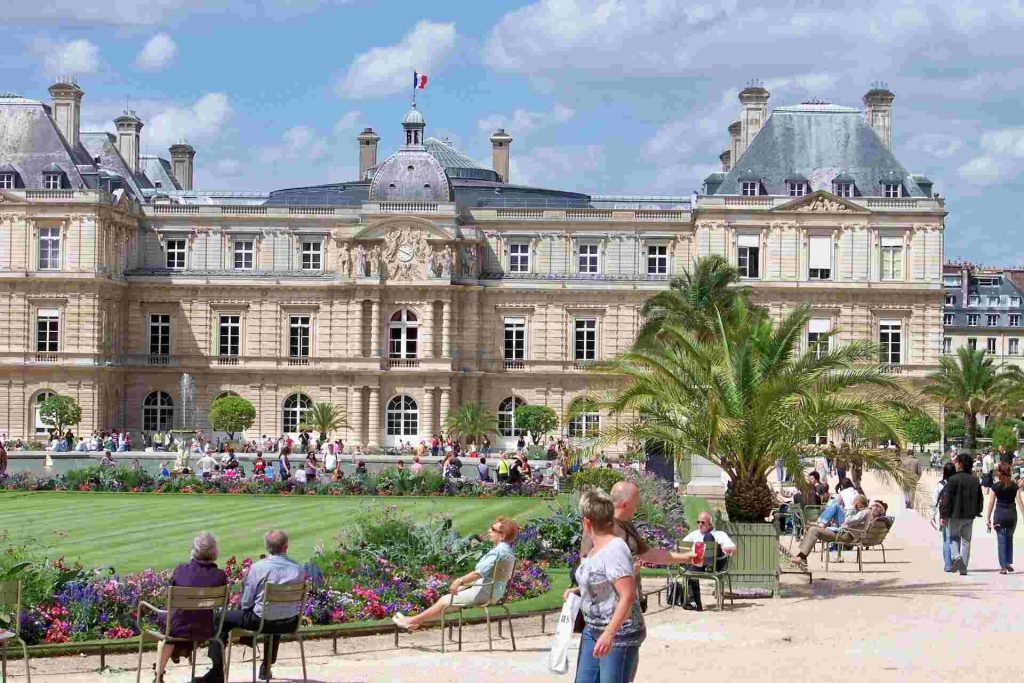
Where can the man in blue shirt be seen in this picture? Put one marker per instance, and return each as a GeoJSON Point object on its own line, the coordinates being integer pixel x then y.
{"type": "Point", "coordinates": [275, 569]}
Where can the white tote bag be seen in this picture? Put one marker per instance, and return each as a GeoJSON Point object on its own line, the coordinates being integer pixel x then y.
{"type": "Point", "coordinates": [558, 658]}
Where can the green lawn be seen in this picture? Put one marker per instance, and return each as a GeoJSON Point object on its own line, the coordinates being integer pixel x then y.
{"type": "Point", "coordinates": [132, 532]}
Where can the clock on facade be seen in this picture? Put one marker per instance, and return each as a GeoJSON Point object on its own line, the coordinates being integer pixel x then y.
{"type": "Point", "coordinates": [405, 253]}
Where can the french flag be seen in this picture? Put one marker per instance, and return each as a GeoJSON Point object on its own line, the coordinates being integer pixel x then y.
{"type": "Point", "coordinates": [419, 81]}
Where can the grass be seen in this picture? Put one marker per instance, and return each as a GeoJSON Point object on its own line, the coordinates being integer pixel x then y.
{"type": "Point", "coordinates": [133, 532]}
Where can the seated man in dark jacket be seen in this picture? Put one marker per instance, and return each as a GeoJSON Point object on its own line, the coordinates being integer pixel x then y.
{"type": "Point", "coordinates": [960, 503]}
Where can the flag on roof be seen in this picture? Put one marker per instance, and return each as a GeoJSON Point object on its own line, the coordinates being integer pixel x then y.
{"type": "Point", "coordinates": [419, 81]}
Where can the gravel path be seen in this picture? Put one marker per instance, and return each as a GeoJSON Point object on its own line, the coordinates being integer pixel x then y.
{"type": "Point", "coordinates": [905, 620]}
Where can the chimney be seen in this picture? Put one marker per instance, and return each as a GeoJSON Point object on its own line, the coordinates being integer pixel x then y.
{"type": "Point", "coordinates": [754, 101]}
{"type": "Point", "coordinates": [181, 163]}
{"type": "Point", "coordinates": [878, 109]}
{"type": "Point", "coordinates": [367, 151]}
{"type": "Point", "coordinates": [735, 130]}
{"type": "Point", "coordinates": [67, 108]}
{"type": "Point", "coordinates": [500, 142]}
{"type": "Point", "coordinates": [129, 129]}
{"type": "Point", "coordinates": [726, 159]}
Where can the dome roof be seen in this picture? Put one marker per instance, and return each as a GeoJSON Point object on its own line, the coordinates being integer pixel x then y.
{"type": "Point", "coordinates": [410, 175]}
{"type": "Point", "coordinates": [413, 116]}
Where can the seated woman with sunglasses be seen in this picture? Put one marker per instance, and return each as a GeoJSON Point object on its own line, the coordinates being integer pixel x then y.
{"type": "Point", "coordinates": [470, 589]}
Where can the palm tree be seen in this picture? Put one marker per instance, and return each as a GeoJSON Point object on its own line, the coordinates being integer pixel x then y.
{"type": "Point", "coordinates": [971, 384]}
{"type": "Point", "coordinates": [470, 421]}
{"type": "Point", "coordinates": [326, 417]}
{"type": "Point", "coordinates": [741, 394]}
{"type": "Point", "coordinates": [691, 299]}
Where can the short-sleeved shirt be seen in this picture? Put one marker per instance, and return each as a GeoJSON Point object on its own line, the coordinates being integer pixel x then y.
{"type": "Point", "coordinates": [485, 567]}
{"type": "Point", "coordinates": [597, 575]}
{"type": "Point", "coordinates": [1006, 497]}
{"type": "Point", "coordinates": [627, 531]}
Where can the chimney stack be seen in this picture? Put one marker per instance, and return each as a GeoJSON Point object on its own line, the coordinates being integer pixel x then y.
{"type": "Point", "coordinates": [754, 101]}
{"type": "Point", "coordinates": [129, 131]}
{"type": "Point", "coordinates": [181, 163]}
{"type": "Point", "coordinates": [67, 108]}
{"type": "Point", "coordinates": [367, 151]}
{"type": "Point", "coordinates": [735, 130]}
{"type": "Point", "coordinates": [726, 159]}
{"type": "Point", "coordinates": [878, 109]}
{"type": "Point", "coordinates": [500, 142]}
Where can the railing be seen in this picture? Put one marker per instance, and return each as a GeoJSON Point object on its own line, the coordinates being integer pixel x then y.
{"type": "Point", "coordinates": [583, 364]}
{"type": "Point", "coordinates": [891, 203]}
{"type": "Point", "coordinates": [520, 213]}
{"type": "Point", "coordinates": [49, 194]}
{"type": "Point", "coordinates": [589, 214]}
{"type": "Point", "coordinates": [659, 215]}
{"type": "Point", "coordinates": [244, 210]}
{"type": "Point", "coordinates": [890, 368]}
{"type": "Point", "coordinates": [187, 209]}
{"type": "Point", "coordinates": [298, 361]}
{"type": "Point", "coordinates": [403, 363]}
{"type": "Point", "coordinates": [47, 357]}
{"type": "Point", "coordinates": [227, 360]}
{"type": "Point", "coordinates": [515, 365]}
{"type": "Point", "coordinates": [311, 210]}
{"type": "Point", "coordinates": [748, 201]}
{"type": "Point", "coordinates": [410, 207]}
{"type": "Point", "coordinates": [158, 359]}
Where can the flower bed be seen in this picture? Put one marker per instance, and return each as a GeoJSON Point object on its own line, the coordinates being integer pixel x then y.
{"type": "Point", "coordinates": [389, 482]}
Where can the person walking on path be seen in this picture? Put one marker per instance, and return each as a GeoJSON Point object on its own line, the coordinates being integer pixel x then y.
{"type": "Point", "coordinates": [1003, 499]}
{"type": "Point", "coordinates": [961, 503]}
{"type": "Point", "coordinates": [948, 470]}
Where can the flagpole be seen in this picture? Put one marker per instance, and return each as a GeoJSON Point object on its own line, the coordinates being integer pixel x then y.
{"type": "Point", "coordinates": [414, 77]}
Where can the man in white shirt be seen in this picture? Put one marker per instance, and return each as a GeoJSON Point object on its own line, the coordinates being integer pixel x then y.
{"type": "Point", "coordinates": [206, 464]}
{"type": "Point", "coordinates": [705, 532]}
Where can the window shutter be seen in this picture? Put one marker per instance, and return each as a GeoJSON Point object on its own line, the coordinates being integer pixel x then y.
{"type": "Point", "coordinates": [820, 252]}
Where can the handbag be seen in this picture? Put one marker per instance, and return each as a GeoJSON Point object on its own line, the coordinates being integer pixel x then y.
{"type": "Point", "coordinates": [558, 657]}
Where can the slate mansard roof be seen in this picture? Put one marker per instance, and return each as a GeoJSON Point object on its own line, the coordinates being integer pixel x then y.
{"type": "Point", "coordinates": [32, 144]}
{"type": "Point", "coordinates": [819, 143]}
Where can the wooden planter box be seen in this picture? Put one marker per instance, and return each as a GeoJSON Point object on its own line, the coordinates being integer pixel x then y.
{"type": "Point", "coordinates": [756, 562]}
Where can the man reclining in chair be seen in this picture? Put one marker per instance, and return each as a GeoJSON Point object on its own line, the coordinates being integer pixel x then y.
{"type": "Point", "coordinates": [858, 521]}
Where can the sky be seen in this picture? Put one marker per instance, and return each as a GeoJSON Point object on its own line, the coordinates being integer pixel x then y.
{"type": "Point", "coordinates": [600, 96]}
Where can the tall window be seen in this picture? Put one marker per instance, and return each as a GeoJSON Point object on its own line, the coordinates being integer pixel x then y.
{"type": "Point", "coordinates": [6, 181]}
{"type": "Point", "coordinates": [229, 335]}
{"type": "Point", "coordinates": [157, 412]}
{"type": "Point", "coordinates": [973, 300]}
{"type": "Point", "coordinates": [51, 181]}
{"type": "Point", "coordinates": [243, 254]}
{"type": "Point", "coordinates": [892, 258]}
{"type": "Point", "coordinates": [402, 417]}
{"type": "Point", "coordinates": [748, 255]}
{"type": "Point", "coordinates": [515, 339]}
{"type": "Point", "coordinates": [797, 188]}
{"type": "Point", "coordinates": [403, 334]}
{"type": "Point", "coordinates": [749, 188]}
{"type": "Point", "coordinates": [176, 254]}
{"type": "Point", "coordinates": [972, 319]}
{"type": "Point", "coordinates": [950, 300]}
{"type": "Point", "coordinates": [947, 345]}
{"type": "Point", "coordinates": [892, 190]}
{"type": "Point", "coordinates": [507, 416]}
{"type": "Point", "coordinates": [312, 255]}
{"type": "Point", "coordinates": [519, 258]}
{"type": "Point", "coordinates": [37, 420]}
{"type": "Point", "coordinates": [890, 339]}
{"type": "Point", "coordinates": [819, 258]}
{"type": "Point", "coordinates": [992, 320]}
{"type": "Point", "coordinates": [160, 334]}
{"type": "Point", "coordinates": [844, 189]}
{"type": "Point", "coordinates": [817, 335]}
{"type": "Point", "coordinates": [298, 336]}
{"type": "Point", "coordinates": [585, 339]}
{"type": "Point", "coordinates": [293, 414]}
{"type": "Point", "coordinates": [657, 259]}
{"type": "Point", "coordinates": [990, 345]}
{"type": "Point", "coordinates": [48, 330]}
{"type": "Point", "coordinates": [1013, 346]}
{"type": "Point", "coordinates": [1014, 320]}
{"type": "Point", "coordinates": [49, 248]}
{"type": "Point", "coordinates": [587, 258]}
{"type": "Point", "coordinates": [972, 343]}
{"type": "Point", "coordinates": [948, 319]}
{"type": "Point", "coordinates": [586, 425]}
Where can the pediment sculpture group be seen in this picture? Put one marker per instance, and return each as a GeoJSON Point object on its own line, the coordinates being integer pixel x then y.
{"type": "Point", "coordinates": [407, 255]}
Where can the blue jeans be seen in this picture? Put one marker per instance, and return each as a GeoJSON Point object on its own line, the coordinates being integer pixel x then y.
{"type": "Point", "coordinates": [1004, 544]}
{"type": "Point", "coordinates": [615, 667]}
{"type": "Point", "coordinates": [947, 554]}
{"type": "Point", "coordinates": [833, 512]}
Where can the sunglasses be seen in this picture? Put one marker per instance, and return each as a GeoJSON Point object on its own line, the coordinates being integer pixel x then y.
{"type": "Point", "coordinates": [496, 530]}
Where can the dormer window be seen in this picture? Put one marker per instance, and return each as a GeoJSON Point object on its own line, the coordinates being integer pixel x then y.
{"type": "Point", "coordinates": [892, 190]}
{"type": "Point", "coordinates": [750, 188]}
{"type": "Point", "coordinates": [797, 188]}
{"type": "Point", "coordinates": [844, 190]}
{"type": "Point", "coordinates": [51, 181]}
{"type": "Point", "coordinates": [6, 181]}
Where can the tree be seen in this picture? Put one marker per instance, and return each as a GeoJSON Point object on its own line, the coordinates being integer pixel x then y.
{"type": "Point", "coordinates": [470, 421]}
{"type": "Point", "coordinates": [325, 418]}
{"type": "Point", "coordinates": [955, 426]}
{"type": "Point", "coordinates": [743, 396]}
{"type": "Point", "coordinates": [231, 414]}
{"type": "Point", "coordinates": [60, 412]}
{"type": "Point", "coordinates": [921, 429]}
{"type": "Point", "coordinates": [537, 421]}
{"type": "Point", "coordinates": [972, 385]}
{"type": "Point", "coordinates": [1005, 435]}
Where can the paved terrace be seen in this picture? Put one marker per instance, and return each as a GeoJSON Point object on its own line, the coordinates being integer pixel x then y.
{"type": "Point", "coordinates": [906, 620]}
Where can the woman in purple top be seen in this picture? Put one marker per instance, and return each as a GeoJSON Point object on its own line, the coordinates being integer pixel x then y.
{"type": "Point", "coordinates": [200, 572]}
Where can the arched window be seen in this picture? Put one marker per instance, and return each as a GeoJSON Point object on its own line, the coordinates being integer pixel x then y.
{"type": "Point", "coordinates": [39, 427]}
{"type": "Point", "coordinates": [157, 412]}
{"type": "Point", "coordinates": [224, 394]}
{"type": "Point", "coordinates": [403, 334]}
{"type": "Point", "coordinates": [507, 416]}
{"type": "Point", "coordinates": [295, 408]}
{"type": "Point", "coordinates": [403, 417]}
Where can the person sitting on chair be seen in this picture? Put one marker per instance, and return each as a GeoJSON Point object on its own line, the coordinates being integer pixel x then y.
{"type": "Point", "coordinates": [705, 533]}
{"type": "Point", "coordinates": [469, 590]}
{"type": "Point", "coordinates": [858, 521]}
{"type": "Point", "coordinates": [275, 569]}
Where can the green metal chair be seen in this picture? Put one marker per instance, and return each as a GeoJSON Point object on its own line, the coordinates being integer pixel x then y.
{"type": "Point", "coordinates": [719, 575]}
{"type": "Point", "coordinates": [10, 599]}
{"type": "Point", "coordinates": [504, 570]}
{"type": "Point", "coordinates": [179, 599]}
{"type": "Point", "coordinates": [273, 594]}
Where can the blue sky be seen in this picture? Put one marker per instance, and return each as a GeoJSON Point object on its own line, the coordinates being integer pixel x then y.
{"type": "Point", "coordinates": [603, 96]}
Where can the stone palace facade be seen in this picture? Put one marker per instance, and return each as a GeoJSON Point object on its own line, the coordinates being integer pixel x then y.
{"type": "Point", "coordinates": [429, 280]}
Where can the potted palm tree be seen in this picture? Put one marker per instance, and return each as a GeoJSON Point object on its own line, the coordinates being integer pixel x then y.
{"type": "Point", "coordinates": [470, 422]}
{"type": "Point", "coordinates": [325, 418]}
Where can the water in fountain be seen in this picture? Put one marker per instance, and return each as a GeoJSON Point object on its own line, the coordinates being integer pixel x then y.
{"type": "Point", "coordinates": [187, 421]}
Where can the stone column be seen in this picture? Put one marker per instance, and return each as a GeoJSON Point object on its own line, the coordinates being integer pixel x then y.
{"type": "Point", "coordinates": [446, 402]}
{"type": "Point", "coordinates": [375, 329]}
{"type": "Point", "coordinates": [426, 427]}
{"type": "Point", "coordinates": [355, 329]}
{"type": "Point", "coordinates": [446, 330]}
{"type": "Point", "coordinates": [427, 331]}
{"type": "Point", "coordinates": [373, 439]}
{"type": "Point", "coordinates": [355, 416]}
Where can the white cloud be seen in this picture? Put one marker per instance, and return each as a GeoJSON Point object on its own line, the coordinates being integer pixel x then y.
{"type": "Point", "coordinates": [552, 166]}
{"type": "Point", "coordinates": [158, 52]}
{"type": "Point", "coordinates": [984, 170]}
{"type": "Point", "coordinates": [300, 142]}
{"type": "Point", "coordinates": [523, 122]}
{"type": "Point", "coordinates": [347, 123]}
{"type": "Point", "coordinates": [1008, 142]}
{"type": "Point", "coordinates": [388, 70]}
{"type": "Point", "coordinates": [71, 58]}
{"type": "Point", "coordinates": [150, 12]}
{"type": "Point", "coordinates": [938, 145]}
{"type": "Point", "coordinates": [202, 122]}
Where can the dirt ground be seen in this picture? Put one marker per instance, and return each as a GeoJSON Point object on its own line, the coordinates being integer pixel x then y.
{"type": "Point", "coordinates": [905, 620]}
